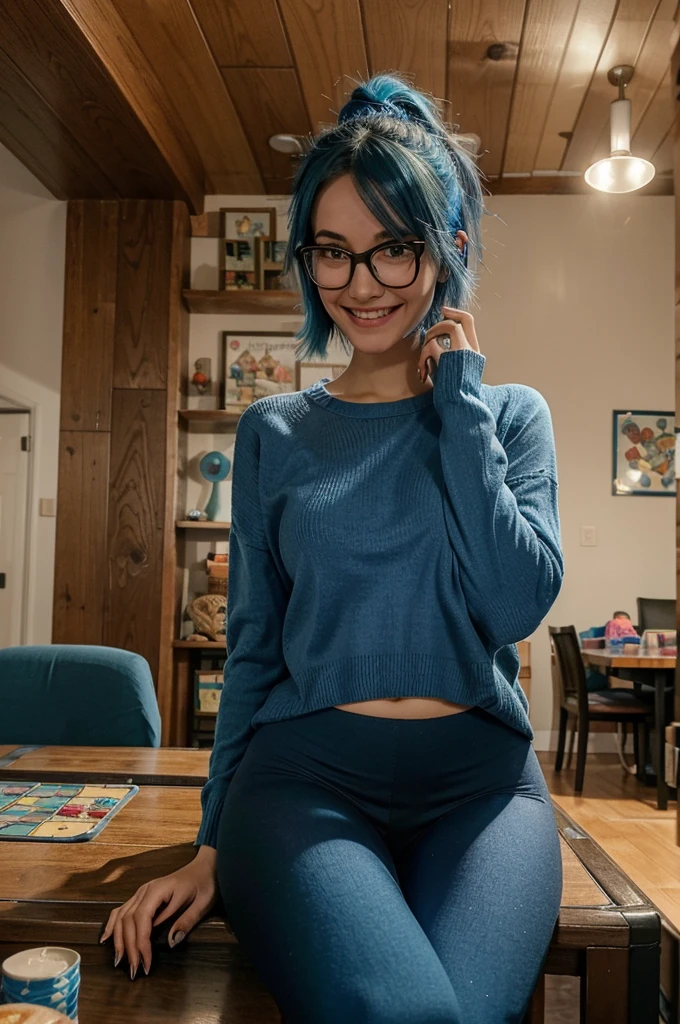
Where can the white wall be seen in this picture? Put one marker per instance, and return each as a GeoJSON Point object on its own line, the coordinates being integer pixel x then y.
{"type": "Point", "coordinates": [577, 301]}
{"type": "Point", "coordinates": [32, 257]}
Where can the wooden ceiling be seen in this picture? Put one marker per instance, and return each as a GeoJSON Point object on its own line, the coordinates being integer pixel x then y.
{"type": "Point", "coordinates": [177, 98]}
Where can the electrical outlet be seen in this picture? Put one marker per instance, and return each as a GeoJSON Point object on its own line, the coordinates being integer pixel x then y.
{"type": "Point", "coordinates": [588, 536]}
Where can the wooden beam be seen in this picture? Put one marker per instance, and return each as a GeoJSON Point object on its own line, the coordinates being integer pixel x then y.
{"type": "Point", "coordinates": [119, 54]}
{"type": "Point", "coordinates": [554, 185]}
{"type": "Point", "coordinates": [171, 40]}
{"type": "Point", "coordinates": [124, 371]}
{"type": "Point", "coordinates": [121, 136]}
{"type": "Point", "coordinates": [31, 129]}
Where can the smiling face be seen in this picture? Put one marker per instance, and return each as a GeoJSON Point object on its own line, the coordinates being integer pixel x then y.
{"type": "Point", "coordinates": [340, 216]}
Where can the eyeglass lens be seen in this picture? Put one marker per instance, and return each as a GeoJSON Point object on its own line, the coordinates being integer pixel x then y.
{"type": "Point", "coordinates": [393, 265]}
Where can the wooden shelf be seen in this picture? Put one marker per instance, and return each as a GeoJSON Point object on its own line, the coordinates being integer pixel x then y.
{"type": "Point", "coordinates": [271, 301]}
{"type": "Point", "coordinates": [209, 416]}
{"type": "Point", "coordinates": [205, 645]}
{"type": "Point", "coordinates": [201, 524]}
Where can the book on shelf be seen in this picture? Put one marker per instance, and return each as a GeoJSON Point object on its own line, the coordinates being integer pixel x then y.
{"type": "Point", "coordinates": [207, 691]}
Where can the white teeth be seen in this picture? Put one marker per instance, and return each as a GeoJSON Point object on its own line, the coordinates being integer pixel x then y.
{"type": "Point", "coordinates": [371, 316]}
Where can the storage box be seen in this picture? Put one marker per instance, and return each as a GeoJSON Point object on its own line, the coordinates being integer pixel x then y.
{"type": "Point", "coordinates": [208, 690]}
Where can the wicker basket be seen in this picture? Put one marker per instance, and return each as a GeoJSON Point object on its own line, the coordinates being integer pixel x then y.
{"type": "Point", "coordinates": [217, 585]}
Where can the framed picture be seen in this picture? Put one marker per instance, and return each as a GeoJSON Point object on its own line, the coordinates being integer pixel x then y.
{"type": "Point", "coordinates": [309, 373]}
{"type": "Point", "coordinates": [240, 264]}
{"type": "Point", "coordinates": [644, 453]}
{"type": "Point", "coordinates": [239, 253]}
{"type": "Point", "coordinates": [249, 222]}
{"type": "Point", "coordinates": [256, 364]}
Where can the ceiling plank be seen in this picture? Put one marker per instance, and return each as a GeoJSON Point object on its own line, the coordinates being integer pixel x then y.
{"type": "Point", "coordinates": [173, 44]}
{"type": "Point", "coordinates": [244, 33]}
{"type": "Point", "coordinates": [415, 44]}
{"type": "Point", "coordinates": [136, 80]}
{"type": "Point", "coordinates": [546, 27]}
{"type": "Point", "coordinates": [581, 54]}
{"type": "Point", "coordinates": [566, 184]}
{"type": "Point", "coordinates": [651, 69]}
{"type": "Point", "coordinates": [329, 50]}
{"type": "Point", "coordinates": [656, 121]}
{"type": "Point", "coordinates": [624, 41]}
{"type": "Point", "coordinates": [479, 81]}
{"type": "Point", "coordinates": [269, 102]}
{"type": "Point", "coordinates": [30, 129]}
{"type": "Point", "coordinates": [47, 46]}
{"type": "Point", "coordinates": [663, 158]}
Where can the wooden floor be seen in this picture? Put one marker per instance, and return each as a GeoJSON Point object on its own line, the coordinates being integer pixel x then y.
{"type": "Point", "coordinates": [620, 815]}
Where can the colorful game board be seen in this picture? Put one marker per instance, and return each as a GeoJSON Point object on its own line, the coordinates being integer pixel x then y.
{"type": "Point", "coordinates": [52, 812]}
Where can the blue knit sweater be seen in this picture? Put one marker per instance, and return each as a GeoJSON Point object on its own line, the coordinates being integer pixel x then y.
{"type": "Point", "coordinates": [388, 549]}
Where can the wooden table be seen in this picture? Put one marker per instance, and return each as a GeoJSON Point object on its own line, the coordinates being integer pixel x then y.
{"type": "Point", "coordinates": [657, 672]}
{"type": "Point", "coordinates": [61, 894]}
{"type": "Point", "coordinates": [143, 766]}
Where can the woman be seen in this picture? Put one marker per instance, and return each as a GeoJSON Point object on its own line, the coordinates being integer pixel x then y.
{"type": "Point", "coordinates": [386, 850]}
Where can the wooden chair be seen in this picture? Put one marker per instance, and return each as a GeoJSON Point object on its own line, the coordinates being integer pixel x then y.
{"type": "Point", "coordinates": [606, 705]}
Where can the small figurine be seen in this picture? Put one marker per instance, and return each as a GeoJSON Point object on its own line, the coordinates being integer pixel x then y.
{"type": "Point", "coordinates": [201, 377]}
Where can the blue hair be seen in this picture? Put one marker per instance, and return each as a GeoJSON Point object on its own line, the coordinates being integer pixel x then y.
{"type": "Point", "coordinates": [414, 177]}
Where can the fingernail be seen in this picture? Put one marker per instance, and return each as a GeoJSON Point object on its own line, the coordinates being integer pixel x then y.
{"type": "Point", "coordinates": [117, 959]}
{"type": "Point", "coordinates": [174, 939]}
{"type": "Point", "coordinates": [146, 969]}
{"type": "Point", "coordinates": [103, 938]}
{"type": "Point", "coordinates": [133, 971]}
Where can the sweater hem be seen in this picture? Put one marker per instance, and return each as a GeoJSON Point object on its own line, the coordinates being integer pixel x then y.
{"type": "Point", "coordinates": [381, 676]}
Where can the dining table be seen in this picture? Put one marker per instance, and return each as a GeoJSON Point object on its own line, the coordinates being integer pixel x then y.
{"type": "Point", "coordinates": [141, 766]}
{"type": "Point", "coordinates": [643, 669]}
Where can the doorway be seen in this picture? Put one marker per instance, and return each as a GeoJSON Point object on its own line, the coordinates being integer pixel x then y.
{"type": "Point", "coordinates": [15, 426]}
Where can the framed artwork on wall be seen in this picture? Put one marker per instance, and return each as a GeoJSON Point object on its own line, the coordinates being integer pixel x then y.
{"type": "Point", "coordinates": [644, 453]}
{"type": "Point", "coordinates": [240, 229]}
{"type": "Point", "coordinates": [256, 364]}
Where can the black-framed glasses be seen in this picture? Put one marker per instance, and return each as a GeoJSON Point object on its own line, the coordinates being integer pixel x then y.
{"type": "Point", "coordinates": [392, 264]}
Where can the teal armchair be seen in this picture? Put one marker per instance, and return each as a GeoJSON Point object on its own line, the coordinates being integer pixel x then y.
{"type": "Point", "coordinates": [77, 695]}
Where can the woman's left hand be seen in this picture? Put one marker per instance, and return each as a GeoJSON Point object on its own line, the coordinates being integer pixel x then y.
{"type": "Point", "coordinates": [460, 328]}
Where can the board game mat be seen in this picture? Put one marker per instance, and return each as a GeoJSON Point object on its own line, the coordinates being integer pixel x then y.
{"type": "Point", "coordinates": [58, 812]}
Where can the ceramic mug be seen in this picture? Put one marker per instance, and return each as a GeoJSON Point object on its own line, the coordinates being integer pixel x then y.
{"type": "Point", "coordinates": [47, 976]}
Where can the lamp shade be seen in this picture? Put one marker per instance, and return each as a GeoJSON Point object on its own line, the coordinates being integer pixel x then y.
{"type": "Point", "coordinates": [620, 171]}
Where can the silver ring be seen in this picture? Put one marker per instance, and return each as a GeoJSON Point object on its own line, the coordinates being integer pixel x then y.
{"type": "Point", "coordinates": [444, 341]}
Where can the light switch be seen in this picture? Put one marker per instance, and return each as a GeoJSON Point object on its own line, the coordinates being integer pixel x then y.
{"type": "Point", "coordinates": [47, 506]}
{"type": "Point", "coordinates": [588, 536]}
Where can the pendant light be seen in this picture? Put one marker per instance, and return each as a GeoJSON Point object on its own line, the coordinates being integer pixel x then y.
{"type": "Point", "coordinates": [620, 171]}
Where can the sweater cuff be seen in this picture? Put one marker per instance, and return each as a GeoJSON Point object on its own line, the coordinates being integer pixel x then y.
{"type": "Point", "coordinates": [210, 822]}
{"type": "Point", "coordinates": [459, 370]}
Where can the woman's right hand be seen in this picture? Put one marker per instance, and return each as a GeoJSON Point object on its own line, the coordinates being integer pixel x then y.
{"type": "Point", "coordinates": [193, 887]}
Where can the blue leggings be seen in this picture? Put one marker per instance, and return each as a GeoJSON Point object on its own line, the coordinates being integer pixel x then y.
{"type": "Point", "coordinates": [391, 871]}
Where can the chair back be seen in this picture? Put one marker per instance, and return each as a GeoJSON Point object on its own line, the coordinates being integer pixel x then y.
{"type": "Point", "coordinates": [77, 695]}
{"type": "Point", "coordinates": [571, 673]}
{"type": "Point", "coordinates": [655, 613]}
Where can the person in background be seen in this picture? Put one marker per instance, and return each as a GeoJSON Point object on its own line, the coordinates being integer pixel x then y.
{"type": "Point", "coordinates": [620, 625]}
